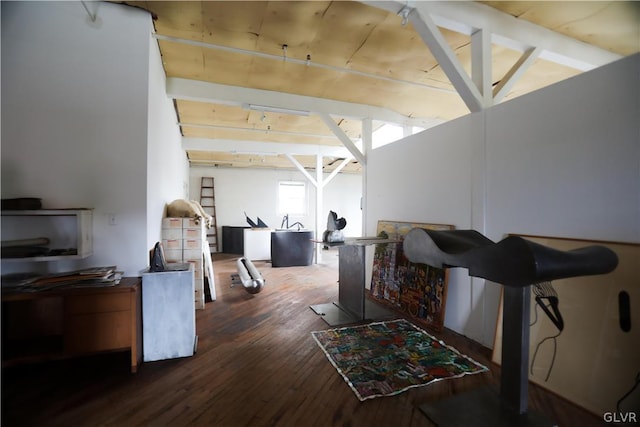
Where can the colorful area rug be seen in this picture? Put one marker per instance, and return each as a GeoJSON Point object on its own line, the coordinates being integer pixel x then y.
{"type": "Point", "coordinates": [387, 358]}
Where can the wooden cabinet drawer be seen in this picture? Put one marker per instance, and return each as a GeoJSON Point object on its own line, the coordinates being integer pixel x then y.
{"type": "Point", "coordinates": [104, 303]}
{"type": "Point", "coordinates": [97, 332]}
{"type": "Point", "coordinates": [65, 322]}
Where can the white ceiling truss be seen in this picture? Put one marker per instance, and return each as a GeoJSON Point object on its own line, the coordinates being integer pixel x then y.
{"type": "Point", "coordinates": [484, 25]}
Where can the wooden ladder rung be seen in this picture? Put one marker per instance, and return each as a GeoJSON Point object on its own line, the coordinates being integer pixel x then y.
{"type": "Point", "coordinates": [208, 203]}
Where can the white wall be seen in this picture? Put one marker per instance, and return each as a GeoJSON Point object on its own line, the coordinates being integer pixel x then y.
{"type": "Point", "coordinates": [167, 163]}
{"type": "Point", "coordinates": [256, 192]}
{"type": "Point", "coordinates": [563, 161]}
{"type": "Point", "coordinates": [75, 111]}
{"type": "Point", "coordinates": [566, 160]}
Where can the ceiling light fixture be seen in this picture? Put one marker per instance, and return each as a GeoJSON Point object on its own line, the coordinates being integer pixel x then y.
{"type": "Point", "coordinates": [264, 108]}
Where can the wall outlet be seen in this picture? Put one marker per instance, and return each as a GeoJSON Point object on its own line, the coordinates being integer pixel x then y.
{"type": "Point", "coordinates": [112, 219]}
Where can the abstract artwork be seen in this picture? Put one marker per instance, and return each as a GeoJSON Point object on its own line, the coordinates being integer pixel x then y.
{"type": "Point", "coordinates": [418, 290]}
{"type": "Point", "coordinates": [387, 358]}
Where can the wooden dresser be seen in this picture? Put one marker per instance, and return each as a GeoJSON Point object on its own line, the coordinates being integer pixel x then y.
{"type": "Point", "coordinates": [72, 322]}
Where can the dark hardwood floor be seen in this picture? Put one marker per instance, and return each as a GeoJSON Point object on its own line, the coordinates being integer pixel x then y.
{"type": "Point", "coordinates": [256, 365]}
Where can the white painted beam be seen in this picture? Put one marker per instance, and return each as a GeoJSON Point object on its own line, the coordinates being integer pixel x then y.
{"type": "Point", "coordinates": [481, 65]}
{"type": "Point", "coordinates": [521, 35]}
{"type": "Point", "coordinates": [304, 172]}
{"type": "Point", "coordinates": [367, 147]}
{"type": "Point", "coordinates": [338, 168]}
{"type": "Point", "coordinates": [431, 35]}
{"type": "Point", "coordinates": [257, 130]}
{"type": "Point", "coordinates": [195, 90]}
{"type": "Point", "coordinates": [319, 207]}
{"type": "Point", "coordinates": [261, 148]}
{"type": "Point", "coordinates": [466, 17]}
{"type": "Point", "coordinates": [367, 135]}
{"type": "Point", "coordinates": [331, 124]}
{"type": "Point", "coordinates": [512, 76]}
{"type": "Point", "coordinates": [306, 63]}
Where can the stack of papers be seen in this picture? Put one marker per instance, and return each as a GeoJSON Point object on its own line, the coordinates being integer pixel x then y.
{"type": "Point", "coordinates": [88, 277]}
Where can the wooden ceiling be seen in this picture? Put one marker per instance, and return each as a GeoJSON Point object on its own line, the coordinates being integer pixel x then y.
{"type": "Point", "coordinates": [337, 57]}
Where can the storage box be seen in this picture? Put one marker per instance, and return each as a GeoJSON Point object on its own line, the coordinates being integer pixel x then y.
{"type": "Point", "coordinates": [198, 287]}
{"type": "Point", "coordinates": [199, 300]}
{"type": "Point", "coordinates": [173, 255]}
{"type": "Point", "coordinates": [197, 263]}
{"type": "Point", "coordinates": [172, 233]}
{"type": "Point", "coordinates": [190, 223]}
{"type": "Point", "coordinates": [192, 233]}
{"type": "Point", "coordinates": [189, 254]}
{"type": "Point", "coordinates": [172, 222]}
{"type": "Point", "coordinates": [185, 241]}
{"type": "Point", "coordinates": [192, 244]}
{"type": "Point", "coordinates": [171, 244]}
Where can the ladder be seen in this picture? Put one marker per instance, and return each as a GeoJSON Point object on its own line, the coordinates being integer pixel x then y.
{"type": "Point", "coordinates": [208, 203]}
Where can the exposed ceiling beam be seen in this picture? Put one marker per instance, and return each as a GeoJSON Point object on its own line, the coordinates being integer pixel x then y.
{"type": "Point", "coordinates": [307, 63]}
{"type": "Point", "coordinates": [195, 90]}
{"type": "Point", "coordinates": [341, 166]}
{"type": "Point", "coordinates": [481, 65]}
{"type": "Point", "coordinates": [466, 17]}
{"type": "Point", "coordinates": [257, 130]}
{"type": "Point", "coordinates": [261, 147]}
{"type": "Point", "coordinates": [302, 170]}
{"type": "Point", "coordinates": [509, 79]}
{"type": "Point", "coordinates": [446, 57]}
{"type": "Point", "coordinates": [331, 124]}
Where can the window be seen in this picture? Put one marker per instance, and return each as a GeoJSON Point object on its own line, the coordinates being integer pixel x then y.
{"type": "Point", "coordinates": [386, 134]}
{"type": "Point", "coordinates": [292, 198]}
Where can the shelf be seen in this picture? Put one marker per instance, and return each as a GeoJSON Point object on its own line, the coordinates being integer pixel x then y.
{"type": "Point", "coordinates": [45, 212]}
{"type": "Point", "coordinates": [66, 229]}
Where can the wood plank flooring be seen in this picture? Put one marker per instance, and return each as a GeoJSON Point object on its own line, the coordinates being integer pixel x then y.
{"type": "Point", "coordinates": [256, 365]}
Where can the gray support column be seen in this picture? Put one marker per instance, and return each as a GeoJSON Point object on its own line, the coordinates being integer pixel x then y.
{"type": "Point", "coordinates": [514, 379]}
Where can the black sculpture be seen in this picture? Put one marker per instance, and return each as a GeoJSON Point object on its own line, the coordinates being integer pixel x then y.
{"type": "Point", "coordinates": [157, 260]}
{"type": "Point", "coordinates": [513, 261]}
{"type": "Point", "coordinates": [285, 224]}
{"type": "Point", "coordinates": [260, 224]}
{"type": "Point", "coordinates": [334, 233]}
{"type": "Point", "coordinates": [516, 263]}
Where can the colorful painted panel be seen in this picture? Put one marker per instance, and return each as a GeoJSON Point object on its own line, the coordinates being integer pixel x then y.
{"type": "Point", "coordinates": [415, 289]}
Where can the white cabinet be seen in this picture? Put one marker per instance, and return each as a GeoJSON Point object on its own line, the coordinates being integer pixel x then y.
{"type": "Point", "coordinates": [69, 233]}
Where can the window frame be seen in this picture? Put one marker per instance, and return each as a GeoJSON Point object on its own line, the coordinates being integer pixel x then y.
{"type": "Point", "coordinates": [304, 203]}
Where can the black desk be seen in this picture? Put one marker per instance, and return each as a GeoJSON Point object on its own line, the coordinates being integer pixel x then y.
{"type": "Point", "coordinates": [291, 248]}
{"type": "Point", "coordinates": [352, 305]}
